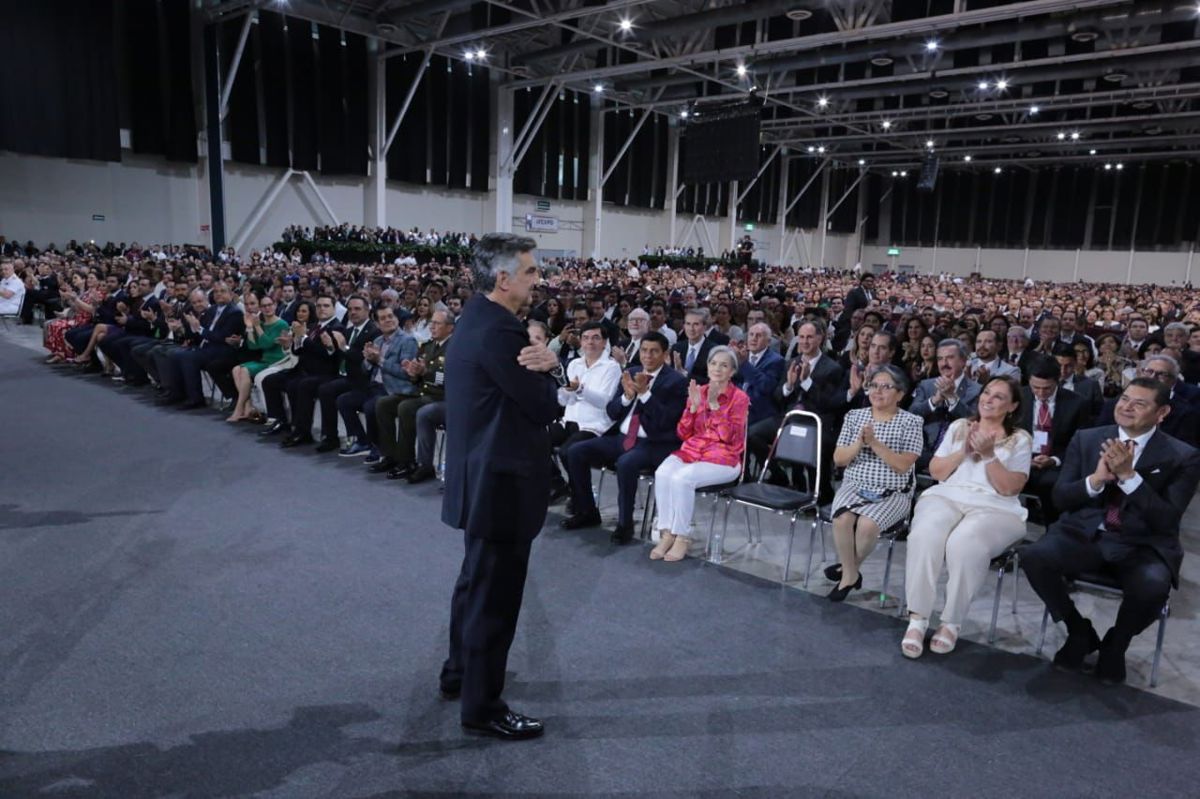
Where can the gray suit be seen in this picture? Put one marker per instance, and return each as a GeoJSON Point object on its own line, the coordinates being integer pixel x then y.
{"type": "Point", "coordinates": [938, 418]}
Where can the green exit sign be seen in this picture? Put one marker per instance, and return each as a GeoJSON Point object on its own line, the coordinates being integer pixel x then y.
{"type": "Point", "coordinates": [543, 205]}
{"type": "Point", "coordinates": [893, 250]}
{"type": "Point", "coordinates": [749, 227]}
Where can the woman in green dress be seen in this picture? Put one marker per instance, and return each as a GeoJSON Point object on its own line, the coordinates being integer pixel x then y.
{"type": "Point", "coordinates": [263, 330]}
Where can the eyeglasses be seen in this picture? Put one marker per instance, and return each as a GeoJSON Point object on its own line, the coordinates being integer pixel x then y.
{"type": "Point", "coordinates": [1156, 374]}
{"type": "Point", "coordinates": [880, 387]}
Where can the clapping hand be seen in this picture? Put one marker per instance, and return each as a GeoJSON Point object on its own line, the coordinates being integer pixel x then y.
{"type": "Point", "coordinates": [695, 396]}
{"type": "Point", "coordinates": [1118, 456]}
{"type": "Point", "coordinates": [618, 355]}
{"type": "Point", "coordinates": [339, 338]}
{"type": "Point", "coordinates": [537, 358]}
{"type": "Point", "coordinates": [856, 379]}
{"type": "Point", "coordinates": [370, 352]}
{"type": "Point", "coordinates": [743, 351]}
{"type": "Point", "coordinates": [984, 444]}
{"type": "Point", "coordinates": [868, 434]}
{"type": "Point", "coordinates": [298, 330]}
{"type": "Point", "coordinates": [147, 314]}
{"type": "Point", "coordinates": [326, 340]}
{"type": "Point", "coordinates": [573, 385]}
{"type": "Point", "coordinates": [642, 381]}
{"type": "Point", "coordinates": [981, 375]}
{"type": "Point", "coordinates": [793, 373]}
{"type": "Point", "coordinates": [944, 390]}
{"type": "Point", "coordinates": [628, 386]}
{"type": "Point", "coordinates": [677, 362]}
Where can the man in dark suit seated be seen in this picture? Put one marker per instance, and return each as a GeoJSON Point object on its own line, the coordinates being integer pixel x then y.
{"type": "Point", "coordinates": [319, 358]}
{"type": "Point", "coordinates": [689, 355]}
{"type": "Point", "coordinates": [813, 383]}
{"type": "Point", "coordinates": [1052, 415]}
{"type": "Point", "coordinates": [497, 473]}
{"type": "Point", "coordinates": [352, 378]}
{"type": "Point", "coordinates": [645, 411]}
{"type": "Point", "coordinates": [44, 293]}
{"type": "Point", "coordinates": [1086, 388]}
{"type": "Point", "coordinates": [216, 335]}
{"type": "Point", "coordinates": [760, 371]}
{"type": "Point", "coordinates": [943, 399]}
{"type": "Point", "coordinates": [1019, 353]}
{"type": "Point", "coordinates": [880, 353]}
{"type": "Point", "coordinates": [1123, 490]}
{"type": "Point", "coordinates": [1183, 422]}
{"type": "Point", "coordinates": [144, 324]}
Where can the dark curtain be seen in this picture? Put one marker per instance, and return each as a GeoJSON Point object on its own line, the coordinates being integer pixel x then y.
{"type": "Point", "coordinates": [181, 107]}
{"type": "Point", "coordinates": [144, 84]}
{"type": "Point", "coordinates": [273, 47]}
{"type": "Point", "coordinates": [304, 95]}
{"type": "Point", "coordinates": [242, 116]}
{"type": "Point", "coordinates": [58, 83]}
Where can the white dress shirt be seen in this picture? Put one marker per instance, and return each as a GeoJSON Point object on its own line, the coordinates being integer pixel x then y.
{"type": "Point", "coordinates": [11, 306]}
{"type": "Point", "coordinates": [586, 406]}
{"type": "Point", "coordinates": [1132, 484]}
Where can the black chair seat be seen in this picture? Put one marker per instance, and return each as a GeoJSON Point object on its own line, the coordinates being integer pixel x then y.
{"type": "Point", "coordinates": [719, 488]}
{"type": "Point", "coordinates": [772, 496]}
{"type": "Point", "coordinates": [897, 532]}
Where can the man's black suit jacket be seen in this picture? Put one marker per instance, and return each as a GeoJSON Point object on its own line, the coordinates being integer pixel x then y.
{"type": "Point", "coordinates": [659, 416]}
{"type": "Point", "coordinates": [1070, 415]}
{"type": "Point", "coordinates": [1150, 516]}
{"type": "Point", "coordinates": [496, 438]}
{"type": "Point", "coordinates": [358, 371]}
{"type": "Point", "coordinates": [699, 371]}
{"type": "Point", "coordinates": [231, 322]}
{"type": "Point", "coordinates": [825, 397]}
{"type": "Point", "coordinates": [1183, 422]}
{"type": "Point", "coordinates": [315, 359]}
{"type": "Point", "coordinates": [855, 298]}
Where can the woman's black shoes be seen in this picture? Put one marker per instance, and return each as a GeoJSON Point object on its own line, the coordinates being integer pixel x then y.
{"type": "Point", "coordinates": [839, 594]}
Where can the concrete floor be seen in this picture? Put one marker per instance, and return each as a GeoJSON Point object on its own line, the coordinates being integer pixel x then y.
{"type": "Point", "coordinates": [1179, 675]}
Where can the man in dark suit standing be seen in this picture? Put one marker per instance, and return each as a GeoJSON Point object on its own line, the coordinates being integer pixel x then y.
{"type": "Point", "coordinates": [496, 477]}
{"type": "Point", "coordinates": [1123, 491]}
{"type": "Point", "coordinates": [1052, 415]}
{"type": "Point", "coordinates": [859, 297]}
{"type": "Point", "coordinates": [689, 355]}
{"type": "Point", "coordinates": [759, 373]}
{"type": "Point", "coordinates": [645, 411]}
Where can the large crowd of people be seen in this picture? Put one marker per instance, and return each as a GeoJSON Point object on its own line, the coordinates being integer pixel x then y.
{"type": "Point", "coordinates": [993, 389]}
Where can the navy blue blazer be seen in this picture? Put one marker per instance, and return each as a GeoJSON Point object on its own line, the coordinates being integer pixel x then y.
{"type": "Point", "coordinates": [659, 416]}
{"type": "Point", "coordinates": [497, 412]}
{"type": "Point", "coordinates": [759, 383]}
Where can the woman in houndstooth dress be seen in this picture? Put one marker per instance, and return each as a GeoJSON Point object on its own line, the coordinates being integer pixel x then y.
{"type": "Point", "coordinates": [878, 447]}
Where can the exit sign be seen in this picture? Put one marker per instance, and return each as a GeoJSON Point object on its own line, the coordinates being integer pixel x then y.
{"type": "Point", "coordinates": [893, 251]}
{"type": "Point", "coordinates": [749, 227]}
{"type": "Point", "coordinates": [543, 205]}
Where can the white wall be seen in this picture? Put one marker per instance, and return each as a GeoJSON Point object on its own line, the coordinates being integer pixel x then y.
{"type": "Point", "coordinates": [1098, 266]}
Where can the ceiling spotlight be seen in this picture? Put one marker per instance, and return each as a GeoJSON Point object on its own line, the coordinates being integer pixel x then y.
{"type": "Point", "coordinates": [469, 55]}
{"type": "Point", "coordinates": [626, 25]}
{"type": "Point", "coordinates": [931, 46]}
{"type": "Point", "coordinates": [822, 102]}
{"type": "Point", "coordinates": [1092, 151]}
{"type": "Point", "coordinates": [1108, 166]}
{"type": "Point", "coordinates": [683, 113]}
{"type": "Point", "coordinates": [1074, 135]}
{"type": "Point", "coordinates": [812, 149]}
{"type": "Point", "coordinates": [1120, 166]}
{"type": "Point", "coordinates": [741, 70]}
{"type": "Point", "coordinates": [480, 54]}
{"type": "Point", "coordinates": [1002, 84]}
{"type": "Point", "coordinates": [882, 60]}
{"type": "Point", "coordinates": [1033, 109]}
{"type": "Point", "coordinates": [887, 125]}
{"type": "Point", "coordinates": [821, 150]}
{"type": "Point", "coordinates": [598, 88]}
{"type": "Point", "coordinates": [1060, 135]}
{"type": "Point", "coordinates": [983, 84]}
{"type": "Point", "coordinates": [967, 158]}
{"type": "Point", "coordinates": [996, 171]}
{"type": "Point", "coordinates": [895, 174]}
{"type": "Point", "coordinates": [903, 173]}
{"type": "Point", "coordinates": [862, 162]}
{"type": "Point", "coordinates": [929, 143]}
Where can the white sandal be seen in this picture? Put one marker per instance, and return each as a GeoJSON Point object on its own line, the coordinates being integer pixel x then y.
{"type": "Point", "coordinates": [914, 647]}
{"type": "Point", "coordinates": [945, 639]}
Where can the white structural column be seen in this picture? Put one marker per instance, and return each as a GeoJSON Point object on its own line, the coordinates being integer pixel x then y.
{"type": "Point", "coordinates": [728, 237]}
{"type": "Point", "coordinates": [781, 215]}
{"type": "Point", "coordinates": [594, 219]}
{"type": "Point", "coordinates": [822, 216]}
{"type": "Point", "coordinates": [375, 190]}
{"type": "Point", "coordinates": [672, 197]}
{"type": "Point", "coordinates": [499, 213]}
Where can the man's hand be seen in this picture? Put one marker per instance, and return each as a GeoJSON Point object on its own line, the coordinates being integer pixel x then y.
{"type": "Point", "coordinates": [234, 341]}
{"type": "Point", "coordinates": [1042, 461]}
{"type": "Point", "coordinates": [1102, 474]}
{"type": "Point", "coordinates": [793, 374]}
{"type": "Point", "coordinates": [537, 358]}
{"type": "Point", "coordinates": [339, 338]}
{"type": "Point", "coordinates": [192, 322]}
{"type": "Point", "coordinates": [618, 355]}
{"type": "Point", "coordinates": [573, 385]}
{"type": "Point", "coordinates": [370, 352]}
{"type": "Point", "coordinates": [1119, 458]}
{"type": "Point", "coordinates": [982, 375]}
{"type": "Point", "coordinates": [628, 386]}
{"type": "Point", "coordinates": [413, 368]}
{"type": "Point", "coordinates": [642, 381]}
{"type": "Point", "coordinates": [326, 340]}
{"type": "Point", "coordinates": [677, 362]}
{"type": "Point", "coordinates": [944, 390]}
{"type": "Point", "coordinates": [743, 351]}
{"type": "Point", "coordinates": [147, 314]}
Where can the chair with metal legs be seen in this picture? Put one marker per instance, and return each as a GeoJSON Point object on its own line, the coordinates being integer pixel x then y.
{"type": "Point", "coordinates": [1105, 584]}
{"type": "Point", "coordinates": [797, 442]}
{"type": "Point", "coordinates": [1010, 560]}
{"type": "Point", "coordinates": [647, 507]}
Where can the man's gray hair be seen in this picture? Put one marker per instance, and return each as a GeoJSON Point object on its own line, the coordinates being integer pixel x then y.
{"type": "Point", "coordinates": [496, 253]}
{"type": "Point", "coordinates": [1178, 326]}
{"type": "Point", "coordinates": [725, 351]}
{"type": "Point", "coordinates": [641, 313]}
{"type": "Point", "coordinates": [1017, 330]}
{"type": "Point", "coordinates": [895, 372]}
{"type": "Point", "coordinates": [958, 345]}
{"type": "Point", "coordinates": [1162, 357]}
{"type": "Point", "coordinates": [701, 312]}
{"type": "Point", "coordinates": [447, 317]}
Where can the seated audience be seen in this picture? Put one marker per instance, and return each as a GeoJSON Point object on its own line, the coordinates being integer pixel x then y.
{"type": "Point", "coordinates": [689, 355]}
{"type": "Point", "coordinates": [1123, 490]}
{"type": "Point", "coordinates": [353, 378]}
{"type": "Point", "coordinates": [944, 399]}
{"type": "Point", "coordinates": [878, 447]}
{"type": "Point", "coordinates": [644, 412]}
{"type": "Point", "coordinates": [1072, 380]}
{"type": "Point", "coordinates": [82, 298]}
{"type": "Point", "coordinates": [712, 430]}
{"type": "Point", "coordinates": [591, 380]}
{"type": "Point", "coordinates": [266, 336]}
{"type": "Point", "coordinates": [217, 334]}
{"type": "Point", "coordinates": [759, 371]}
{"type": "Point", "coordinates": [1183, 420]}
{"type": "Point", "coordinates": [43, 291]}
{"type": "Point", "coordinates": [881, 352]}
{"type": "Point", "coordinates": [373, 372]}
{"type": "Point", "coordinates": [1052, 415]}
{"type": "Point", "coordinates": [318, 359]}
{"type": "Point", "coordinates": [12, 290]}
{"type": "Point", "coordinates": [970, 517]}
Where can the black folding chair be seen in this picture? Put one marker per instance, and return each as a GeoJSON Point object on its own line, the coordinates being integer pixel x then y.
{"type": "Point", "coordinates": [798, 443]}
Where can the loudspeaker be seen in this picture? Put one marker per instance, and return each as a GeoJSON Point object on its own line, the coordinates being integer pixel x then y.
{"type": "Point", "coordinates": [929, 171]}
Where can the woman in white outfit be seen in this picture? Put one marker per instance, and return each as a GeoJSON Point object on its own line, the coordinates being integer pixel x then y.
{"type": "Point", "coordinates": [970, 517]}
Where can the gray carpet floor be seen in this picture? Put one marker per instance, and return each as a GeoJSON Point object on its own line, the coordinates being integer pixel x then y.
{"type": "Point", "coordinates": [189, 612]}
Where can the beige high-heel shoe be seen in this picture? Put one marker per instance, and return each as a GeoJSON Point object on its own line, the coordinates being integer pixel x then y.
{"type": "Point", "coordinates": [665, 540]}
{"type": "Point", "coordinates": [679, 549]}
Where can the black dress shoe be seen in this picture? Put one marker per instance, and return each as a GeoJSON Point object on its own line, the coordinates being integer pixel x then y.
{"type": "Point", "coordinates": [839, 593]}
{"type": "Point", "coordinates": [275, 429]}
{"type": "Point", "coordinates": [509, 727]}
{"type": "Point", "coordinates": [1081, 642]}
{"type": "Point", "coordinates": [327, 446]}
{"type": "Point", "coordinates": [385, 465]}
{"type": "Point", "coordinates": [834, 573]}
{"type": "Point", "coordinates": [1110, 667]}
{"type": "Point", "coordinates": [580, 520]}
{"type": "Point", "coordinates": [421, 474]}
{"type": "Point", "coordinates": [295, 441]}
{"type": "Point", "coordinates": [167, 399]}
{"type": "Point", "coordinates": [622, 534]}
{"type": "Point", "coordinates": [401, 471]}
{"type": "Point", "coordinates": [449, 694]}
{"type": "Point", "coordinates": [193, 405]}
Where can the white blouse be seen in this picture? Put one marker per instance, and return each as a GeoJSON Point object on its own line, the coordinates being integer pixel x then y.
{"type": "Point", "coordinates": [969, 483]}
